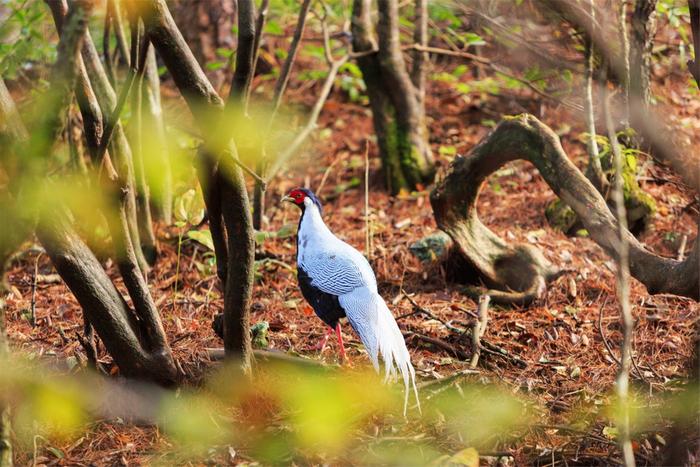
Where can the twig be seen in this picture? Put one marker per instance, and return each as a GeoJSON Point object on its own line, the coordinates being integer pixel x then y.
{"type": "Point", "coordinates": [460, 354]}
{"type": "Point", "coordinates": [602, 334]}
{"type": "Point", "coordinates": [479, 329]}
{"type": "Point", "coordinates": [420, 310]}
{"type": "Point", "coordinates": [32, 315]}
{"type": "Point", "coordinates": [311, 122]}
{"type": "Point", "coordinates": [109, 66]}
{"type": "Point", "coordinates": [246, 169]}
{"type": "Point", "coordinates": [119, 31]}
{"type": "Point", "coordinates": [111, 122]}
{"type": "Point", "coordinates": [325, 176]}
{"type": "Point", "coordinates": [283, 79]}
{"type": "Point", "coordinates": [486, 346]}
{"type": "Point", "coordinates": [448, 379]}
{"type": "Point", "coordinates": [622, 278]}
{"type": "Point", "coordinates": [368, 234]}
{"type": "Point", "coordinates": [496, 68]}
{"type": "Point", "coordinates": [625, 45]}
{"type": "Point", "coordinates": [681, 249]}
{"type": "Point", "coordinates": [608, 347]}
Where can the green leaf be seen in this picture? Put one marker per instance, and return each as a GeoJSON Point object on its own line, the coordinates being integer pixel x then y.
{"type": "Point", "coordinates": [273, 27]}
{"type": "Point", "coordinates": [471, 38]}
{"type": "Point", "coordinates": [611, 432]}
{"type": "Point", "coordinates": [215, 65]}
{"type": "Point", "coordinates": [202, 237]}
{"type": "Point", "coordinates": [448, 150]}
{"type": "Point", "coordinates": [286, 231]}
{"type": "Point", "coordinates": [224, 52]}
{"type": "Point", "coordinates": [190, 207]}
{"type": "Point", "coordinates": [56, 452]}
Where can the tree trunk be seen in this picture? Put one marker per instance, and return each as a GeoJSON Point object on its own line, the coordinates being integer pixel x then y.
{"type": "Point", "coordinates": [119, 147]}
{"type": "Point", "coordinates": [11, 130]}
{"type": "Point", "coordinates": [207, 26]}
{"type": "Point", "coordinates": [232, 195]}
{"type": "Point", "coordinates": [643, 31]}
{"type": "Point", "coordinates": [594, 170]}
{"type": "Point", "coordinates": [130, 342]}
{"type": "Point", "coordinates": [143, 192]}
{"type": "Point", "coordinates": [396, 105]}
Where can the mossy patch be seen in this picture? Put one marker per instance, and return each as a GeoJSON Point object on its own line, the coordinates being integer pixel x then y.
{"type": "Point", "coordinates": [561, 216]}
{"type": "Point", "coordinates": [640, 206]}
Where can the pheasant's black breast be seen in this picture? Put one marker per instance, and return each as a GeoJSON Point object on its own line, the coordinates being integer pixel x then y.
{"type": "Point", "coordinates": [325, 305]}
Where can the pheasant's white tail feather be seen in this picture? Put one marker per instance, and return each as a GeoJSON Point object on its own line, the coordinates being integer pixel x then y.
{"type": "Point", "coordinates": [372, 320]}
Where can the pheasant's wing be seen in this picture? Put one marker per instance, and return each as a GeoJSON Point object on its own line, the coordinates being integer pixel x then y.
{"type": "Point", "coordinates": [338, 271]}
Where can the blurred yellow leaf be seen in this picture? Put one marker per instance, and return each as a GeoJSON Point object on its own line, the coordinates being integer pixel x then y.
{"type": "Point", "coordinates": [467, 457]}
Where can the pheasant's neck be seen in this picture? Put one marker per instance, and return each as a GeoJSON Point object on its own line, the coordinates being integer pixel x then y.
{"type": "Point", "coordinates": [312, 225]}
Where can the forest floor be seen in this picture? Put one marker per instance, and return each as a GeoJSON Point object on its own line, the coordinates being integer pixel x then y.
{"type": "Point", "coordinates": [561, 338]}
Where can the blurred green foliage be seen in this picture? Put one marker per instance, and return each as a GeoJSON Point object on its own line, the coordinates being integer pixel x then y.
{"type": "Point", "coordinates": [290, 412]}
{"type": "Point", "coordinates": [24, 28]}
{"type": "Point", "coordinates": [286, 412]}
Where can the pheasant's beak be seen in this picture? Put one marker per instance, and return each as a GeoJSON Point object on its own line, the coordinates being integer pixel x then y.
{"type": "Point", "coordinates": [287, 198]}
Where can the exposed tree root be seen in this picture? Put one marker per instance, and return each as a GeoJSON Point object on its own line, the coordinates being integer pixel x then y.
{"type": "Point", "coordinates": [521, 271]}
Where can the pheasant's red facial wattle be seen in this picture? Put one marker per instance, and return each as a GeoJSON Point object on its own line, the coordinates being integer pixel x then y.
{"type": "Point", "coordinates": [296, 196]}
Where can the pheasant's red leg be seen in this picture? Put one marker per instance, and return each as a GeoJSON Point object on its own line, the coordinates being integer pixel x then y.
{"type": "Point", "coordinates": [343, 357]}
{"type": "Point", "coordinates": [324, 340]}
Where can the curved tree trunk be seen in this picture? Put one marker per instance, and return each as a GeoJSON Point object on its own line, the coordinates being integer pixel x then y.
{"type": "Point", "coordinates": [138, 347]}
{"type": "Point", "coordinates": [396, 105]}
{"type": "Point", "coordinates": [522, 268]}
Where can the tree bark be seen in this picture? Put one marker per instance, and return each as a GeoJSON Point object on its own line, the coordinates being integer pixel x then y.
{"type": "Point", "coordinates": [643, 31]}
{"type": "Point", "coordinates": [127, 340]}
{"type": "Point", "coordinates": [396, 111]}
{"type": "Point", "coordinates": [523, 268]}
{"type": "Point", "coordinates": [152, 121]}
{"type": "Point", "coordinates": [232, 200]}
{"type": "Point", "coordinates": [245, 53]}
{"type": "Point", "coordinates": [134, 338]}
{"type": "Point", "coordinates": [5, 441]}
{"type": "Point", "coordinates": [143, 192]}
{"type": "Point", "coordinates": [206, 26]}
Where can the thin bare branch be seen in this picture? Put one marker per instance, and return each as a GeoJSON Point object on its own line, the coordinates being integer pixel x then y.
{"type": "Point", "coordinates": [622, 274]}
{"type": "Point", "coordinates": [283, 79]}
